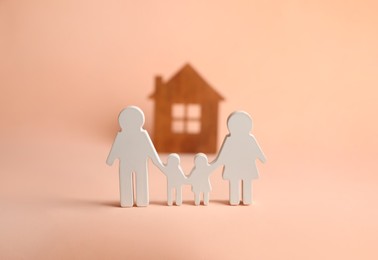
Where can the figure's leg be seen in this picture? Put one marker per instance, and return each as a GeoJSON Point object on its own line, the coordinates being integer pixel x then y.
{"type": "Point", "coordinates": [234, 192]}
{"type": "Point", "coordinates": [247, 192]}
{"type": "Point", "coordinates": [206, 198]}
{"type": "Point", "coordinates": [178, 196]}
{"type": "Point", "coordinates": [169, 194]}
{"type": "Point", "coordinates": [197, 198]}
{"type": "Point", "coordinates": [142, 198]}
{"type": "Point", "coordinates": [126, 186]}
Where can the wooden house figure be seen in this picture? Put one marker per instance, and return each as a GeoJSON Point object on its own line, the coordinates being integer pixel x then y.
{"type": "Point", "coordinates": [186, 113]}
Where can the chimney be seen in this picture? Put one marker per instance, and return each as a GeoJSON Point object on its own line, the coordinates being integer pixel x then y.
{"type": "Point", "coordinates": [158, 84]}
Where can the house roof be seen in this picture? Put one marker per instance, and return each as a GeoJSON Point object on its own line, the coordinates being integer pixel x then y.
{"type": "Point", "coordinates": [188, 83]}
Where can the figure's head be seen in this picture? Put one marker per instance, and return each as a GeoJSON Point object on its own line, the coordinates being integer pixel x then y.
{"type": "Point", "coordinates": [200, 160]}
{"type": "Point", "coordinates": [131, 118]}
{"type": "Point", "coordinates": [239, 122]}
{"type": "Point", "coordinates": [173, 159]}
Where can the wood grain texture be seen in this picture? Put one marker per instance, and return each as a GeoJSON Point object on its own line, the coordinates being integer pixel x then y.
{"type": "Point", "coordinates": [186, 87]}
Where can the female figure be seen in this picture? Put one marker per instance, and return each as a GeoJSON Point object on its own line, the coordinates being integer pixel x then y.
{"type": "Point", "coordinates": [200, 178]}
{"type": "Point", "coordinates": [238, 154]}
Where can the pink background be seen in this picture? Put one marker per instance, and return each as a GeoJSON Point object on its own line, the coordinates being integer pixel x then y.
{"type": "Point", "coordinates": [305, 70]}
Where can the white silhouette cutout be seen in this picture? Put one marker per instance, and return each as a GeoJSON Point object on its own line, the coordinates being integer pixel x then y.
{"type": "Point", "coordinates": [133, 146]}
{"type": "Point", "coordinates": [175, 178]}
{"type": "Point", "coordinates": [200, 178]}
{"type": "Point", "coordinates": [238, 154]}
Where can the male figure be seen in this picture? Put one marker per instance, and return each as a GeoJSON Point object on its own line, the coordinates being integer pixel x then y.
{"type": "Point", "coordinates": [133, 146]}
{"type": "Point", "coordinates": [238, 154]}
{"type": "Point", "coordinates": [175, 178]}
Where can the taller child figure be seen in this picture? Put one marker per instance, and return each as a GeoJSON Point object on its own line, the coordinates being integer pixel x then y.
{"type": "Point", "coordinates": [133, 147]}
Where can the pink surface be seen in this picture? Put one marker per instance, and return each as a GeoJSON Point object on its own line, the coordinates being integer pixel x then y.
{"type": "Point", "coordinates": [306, 72]}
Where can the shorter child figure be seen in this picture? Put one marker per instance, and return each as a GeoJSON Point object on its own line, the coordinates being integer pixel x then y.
{"type": "Point", "coordinates": [175, 178]}
{"type": "Point", "coordinates": [199, 178]}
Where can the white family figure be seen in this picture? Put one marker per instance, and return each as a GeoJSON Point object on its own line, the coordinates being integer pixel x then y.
{"type": "Point", "coordinates": [238, 154]}
{"type": "Point", "coordinates": [200, 178]}
{"type": "Point", "coordinates": [175, 178]}
{"type": "Point", "coordinates": [133, 147]}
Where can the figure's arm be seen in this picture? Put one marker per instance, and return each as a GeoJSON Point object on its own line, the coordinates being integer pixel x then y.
{"type": "Point", "coordinates": [189, 176]}
{"type": "Point", "coordinates": [153, 153]}
{"type": "Point", "coordinates": [186, 178]}
{"type": "Point", "coordinates": [162, 168]}
{"type": "Point", "coordinates": [213, 166]}
{"type": "Point", "coordinates": [114, 151]}
{"type": "Point", "coordinates": [215, 163]}
{"type": "Point", "coordinates": [260, 154]}
{"type": "Point", "coordinates": [262, 157]}
{"type": "Point", "coordinates": [219, 160]}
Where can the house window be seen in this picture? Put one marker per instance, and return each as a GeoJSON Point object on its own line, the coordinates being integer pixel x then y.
{"type": "Point", "coordinates": [186, 118]}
